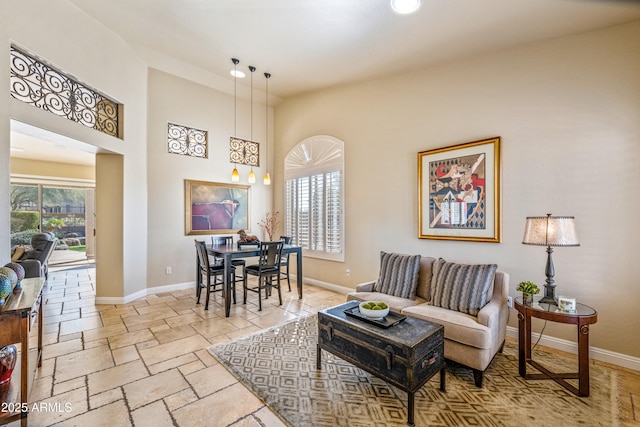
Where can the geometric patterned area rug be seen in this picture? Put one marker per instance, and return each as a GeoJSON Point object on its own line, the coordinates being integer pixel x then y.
{"type": "Point", "coordinates": [279, 366]}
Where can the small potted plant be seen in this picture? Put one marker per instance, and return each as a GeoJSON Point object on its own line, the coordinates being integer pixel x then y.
{"type": "Point", "coordinates": [528, 289]}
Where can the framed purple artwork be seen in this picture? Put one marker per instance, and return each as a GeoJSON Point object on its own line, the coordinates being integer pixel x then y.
{"type": "Point", "coordinates": [216, 208]}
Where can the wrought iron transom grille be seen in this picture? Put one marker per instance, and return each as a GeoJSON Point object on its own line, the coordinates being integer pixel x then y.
{"type": "Point", "coordinates": [41, 85]}
{"type": "Point", "coordinates": [244, 152]}
{"type": "Point", "coordinates": [186, 141]}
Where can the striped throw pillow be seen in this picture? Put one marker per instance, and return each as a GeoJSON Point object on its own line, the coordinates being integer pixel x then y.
{"type": "Point", "coordinates": [398, 275]}
{"type": "Point", "coordinates": [462, 287]}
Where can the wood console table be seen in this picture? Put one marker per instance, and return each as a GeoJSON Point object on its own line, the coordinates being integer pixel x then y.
{"type": "Point", "coordinates": [582, 317]}
{"type": "Point", "coordinates": [16, 319]}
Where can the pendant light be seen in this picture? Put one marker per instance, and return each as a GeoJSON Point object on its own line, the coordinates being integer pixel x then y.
{"type": "Point", "coordinates": [235, 175]}
{"type": "Point", "coordinates": [252, 175]}
{"type": "Point", "coordinates": [267, 178]}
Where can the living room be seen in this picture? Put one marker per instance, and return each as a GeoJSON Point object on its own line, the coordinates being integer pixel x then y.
{"type": "Point", "coordinates": [565, 108]}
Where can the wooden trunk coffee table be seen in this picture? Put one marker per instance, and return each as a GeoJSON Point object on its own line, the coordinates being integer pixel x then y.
{"type": "Point", "coordinates": [405, 355]}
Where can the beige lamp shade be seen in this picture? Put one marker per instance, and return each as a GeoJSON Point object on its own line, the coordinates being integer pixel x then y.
{"type": "Point", "coordinates": [550, 231]}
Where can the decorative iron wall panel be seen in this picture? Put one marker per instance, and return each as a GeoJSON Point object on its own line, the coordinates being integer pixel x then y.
{"type": "Point", "coordinates": [186, 141]}
{"type": "Point", "coordinates": [41, 85]}
{"type": "Point", "coordinates": [244, 152]}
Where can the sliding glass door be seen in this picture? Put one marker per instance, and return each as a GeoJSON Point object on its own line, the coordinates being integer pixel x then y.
{"type": "Point", "coordinates": [66, 212]}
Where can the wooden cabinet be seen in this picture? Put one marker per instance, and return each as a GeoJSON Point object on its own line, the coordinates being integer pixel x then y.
{"type": "Point", "coordinates": [17, 317]}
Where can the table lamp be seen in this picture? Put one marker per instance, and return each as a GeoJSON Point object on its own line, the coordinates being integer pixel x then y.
{"type": "Point", "coordinates": [550, 231]}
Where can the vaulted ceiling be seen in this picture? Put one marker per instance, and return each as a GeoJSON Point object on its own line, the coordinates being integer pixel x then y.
{"type": "Point", "coordinates": [314, 44]}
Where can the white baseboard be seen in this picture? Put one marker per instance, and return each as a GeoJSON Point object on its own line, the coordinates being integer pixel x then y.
{"type": "Point", "coordinates": [145, 292]}
{"type": "Point", "coordinates": [595, 353]}
{"type": "Point", "coordinates": [329, 286]}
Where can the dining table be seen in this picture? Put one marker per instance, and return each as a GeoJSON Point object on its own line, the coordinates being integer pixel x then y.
{"type": "Point", "coordinates": [231, 251]}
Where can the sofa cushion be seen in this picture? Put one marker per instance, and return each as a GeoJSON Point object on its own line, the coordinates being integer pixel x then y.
{"type": "Point", "coordinates": [39, 241]}
{"type": "Point", "coordinates": [424, 277]}
{"type": "Point", "coordinates": [462, 287]}
{"type": "Point", "coordinates": [398, 275]}
{"type": "Point", "coordinates": [459, 327]}
{"type": "Point", "coordinates": [17, 253]}
{"type": "Point", "coordinates": [31, 254]}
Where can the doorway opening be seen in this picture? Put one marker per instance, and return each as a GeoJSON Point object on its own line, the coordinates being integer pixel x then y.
{"type": "Point", "coordinates": [66, 212]}
{"type": "Point", "coordinates": [53, 190]}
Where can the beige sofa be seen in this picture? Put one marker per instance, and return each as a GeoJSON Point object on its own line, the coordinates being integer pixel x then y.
{"type": "Point", "coordinates": [469, 340]}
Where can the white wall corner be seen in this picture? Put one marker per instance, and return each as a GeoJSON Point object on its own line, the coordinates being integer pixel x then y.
{"type": "Point", "coordinates": [145, 292]}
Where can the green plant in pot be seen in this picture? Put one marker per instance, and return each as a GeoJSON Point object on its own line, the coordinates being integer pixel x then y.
{"type": "Point", "coordinates": [528, 289]}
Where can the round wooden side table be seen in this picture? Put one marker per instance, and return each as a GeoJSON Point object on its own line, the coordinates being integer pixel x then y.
{"type": "Point", "coordinates": [582, 316]}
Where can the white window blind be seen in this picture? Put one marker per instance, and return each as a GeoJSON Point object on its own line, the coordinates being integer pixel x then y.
{"type": "Point", "coordinates": [314, 197]}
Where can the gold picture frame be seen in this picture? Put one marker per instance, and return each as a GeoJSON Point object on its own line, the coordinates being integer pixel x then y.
{"type": "Point", "coordinates": [216, 208]}
{"type": "Point", "coordinates": [459, 192]}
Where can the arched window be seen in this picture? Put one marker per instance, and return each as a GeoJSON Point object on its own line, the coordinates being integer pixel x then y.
{"type": "Point", "coordinates": [314, 196]}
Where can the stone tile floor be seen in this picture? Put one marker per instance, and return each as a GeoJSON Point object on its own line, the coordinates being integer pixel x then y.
{"type": "Point", "coordinates": [145, 363]}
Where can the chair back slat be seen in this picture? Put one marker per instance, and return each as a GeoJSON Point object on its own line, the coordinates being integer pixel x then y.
{"type": "Point", "coordinates": [270, 253]}
{"type": "Point", "coordinates": [201, 250]}
{"type": "Point", "coordinates": [222, 240]}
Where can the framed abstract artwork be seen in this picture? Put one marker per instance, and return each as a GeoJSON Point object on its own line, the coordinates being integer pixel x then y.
{"type": "Point", "coordinates": [459, 192]}
{"type": "Point", "coordinates": [216, 208]}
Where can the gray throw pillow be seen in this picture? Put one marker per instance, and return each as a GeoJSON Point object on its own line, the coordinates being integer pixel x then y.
{"type": "Point", "coordinates": [462, 287]}
{"type": "Point", "coordinates": [398, 275]}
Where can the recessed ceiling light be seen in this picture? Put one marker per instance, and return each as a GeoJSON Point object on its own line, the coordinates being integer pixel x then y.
{"type": "Point", "coordinates": [405, 6]}
{"type": "Point", "coordinates": [239, 74]}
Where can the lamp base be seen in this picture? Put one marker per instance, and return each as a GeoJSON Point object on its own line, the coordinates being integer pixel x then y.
{"type": "Point", "coordinates": [548, 300]}
{"type": "Point", "coordinates": [549, 292]}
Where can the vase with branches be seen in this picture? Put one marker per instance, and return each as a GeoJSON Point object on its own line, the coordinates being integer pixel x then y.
{"type": "Point", "coordinates": [269, 223]}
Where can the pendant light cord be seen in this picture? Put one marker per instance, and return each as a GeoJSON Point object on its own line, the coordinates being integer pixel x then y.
{"type": "Point", "coordinates": [235, 97]}
{"type": "Point", "coordinates": [252, 69]}
{"type": "Point", "coordinates": [266, 105]}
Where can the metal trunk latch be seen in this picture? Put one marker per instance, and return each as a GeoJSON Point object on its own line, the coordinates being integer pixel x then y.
{"type": "Point", "coordinates": [389, 356]}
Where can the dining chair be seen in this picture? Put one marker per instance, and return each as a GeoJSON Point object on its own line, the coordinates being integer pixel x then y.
{"type": "Point", "coordinates": [208, 270]}
{"type": "Point", "coordinates": [228, 241]}
{"type": "Point", "coordinates": [284, 261]}
{"type": "Point", "coordinates": [267, 268]}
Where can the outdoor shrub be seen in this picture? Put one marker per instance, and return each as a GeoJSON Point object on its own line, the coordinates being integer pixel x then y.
{"type": "Point", "coordinates": [24, 221]}
{"type": "Point", "coordinates": [22, 237]}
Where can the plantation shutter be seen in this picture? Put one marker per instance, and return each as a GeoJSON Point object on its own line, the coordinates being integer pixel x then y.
{"type": "Point", "coordinates": [314, 197]}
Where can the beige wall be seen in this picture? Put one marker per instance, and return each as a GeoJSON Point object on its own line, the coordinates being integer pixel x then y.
{"type": "Point", "coordinates": [568, 113]}
{"type": "Point", "coordinates": [96, 56]}
{"type": "Point", "coordinates": [172, 99]}
{"type": "Point", "coordinates": [110, 207]}
{"type": "Point", "coordinates": [26, 167]}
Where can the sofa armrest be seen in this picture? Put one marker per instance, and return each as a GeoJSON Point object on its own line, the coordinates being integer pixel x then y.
{"type": "Point", "coordinates": [32, 267]}
{"type": "Point", "coordinates": [496, 313]}
{"type": "Point", "coordinates": [365, 287]}
{"type": "Point", "coordinates": [489, 315]}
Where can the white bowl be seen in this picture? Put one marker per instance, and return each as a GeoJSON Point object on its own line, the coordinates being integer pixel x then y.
{"type": "Point", "coordinates": [373, 314]}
